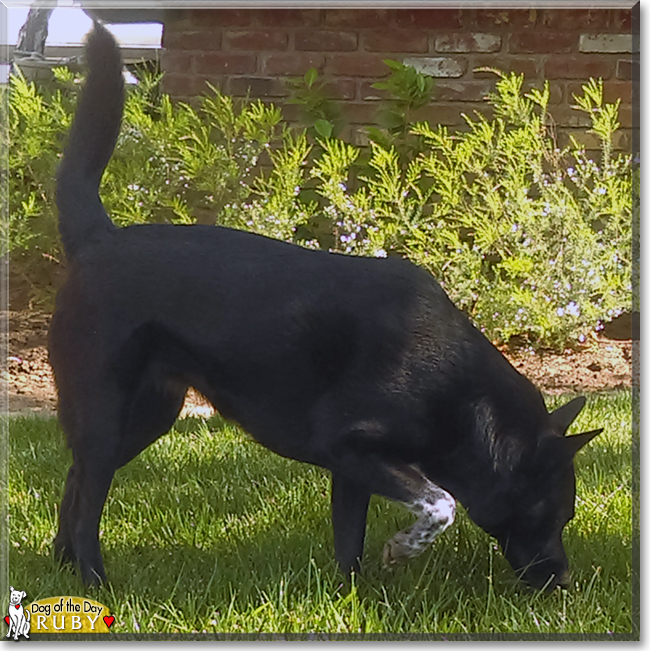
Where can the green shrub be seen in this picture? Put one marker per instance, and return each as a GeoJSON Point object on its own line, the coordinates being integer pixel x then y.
{"type": "Point", "coordinates": [36, 120]}
{"type": "Point", "coordinates": [172, 163]}
{"type": "Point", "coordinates": [545, 234]}
{"type": "Point", "coordinates": [528, 239]}
{"type": "Point", "coordinates": [179, 164]}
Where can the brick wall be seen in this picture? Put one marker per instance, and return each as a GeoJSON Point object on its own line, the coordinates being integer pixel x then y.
{"type": "Point", "coordinates": [254, 50]}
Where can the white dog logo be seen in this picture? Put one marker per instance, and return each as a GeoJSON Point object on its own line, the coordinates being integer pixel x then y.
{"type": "Point", "coordinates": [18, 619]}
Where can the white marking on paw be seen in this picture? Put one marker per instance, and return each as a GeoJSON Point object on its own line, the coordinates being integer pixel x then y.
{"type": "Point", "coordinates": [436, 510]}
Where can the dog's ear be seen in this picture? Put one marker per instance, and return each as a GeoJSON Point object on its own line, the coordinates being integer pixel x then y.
{"type": "Point", "coordinates": [24, 594]}
{"type": "Point", "coordinates": [578, 441]}
{"type": "Point", "coordinates": [566, 414]}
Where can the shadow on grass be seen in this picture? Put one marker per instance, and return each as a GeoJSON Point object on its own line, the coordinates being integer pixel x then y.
{"type": "Point", "coordinates": [289, 570]}
{"type": "Point", "coordinates": [206, 514]}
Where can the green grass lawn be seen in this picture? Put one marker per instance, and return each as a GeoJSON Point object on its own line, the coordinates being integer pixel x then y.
{"type": "Point", "coordinates": [208, 531]}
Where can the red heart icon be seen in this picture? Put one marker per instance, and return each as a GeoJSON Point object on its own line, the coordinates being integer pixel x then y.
{"type": "Point", "coordinates": [17, 606]}
{"type": "Point", "coordinates": [109, 620]}
{"type": "Point", "coordinates": [7, 620]}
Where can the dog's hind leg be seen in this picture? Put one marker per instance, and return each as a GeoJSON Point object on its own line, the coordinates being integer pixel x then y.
{"type": "Point", "coordinates": [88, 484]}
{"type": "Point", "coordinates": [63, 545]}
{"type": "Point", "coordinates": [153, 411]}
{"type": "Point", "coordinates": [349, 510]}
{"type": "Point", "coordinates": [103, 443]}
{"type": "Point", "coordinates": [96, 453]}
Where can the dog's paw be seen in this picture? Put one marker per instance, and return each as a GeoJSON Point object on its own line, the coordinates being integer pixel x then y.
{"type": "Point", "coordinates": [397, 550]}
{"type": "Point", "coordinates": [64, 552]}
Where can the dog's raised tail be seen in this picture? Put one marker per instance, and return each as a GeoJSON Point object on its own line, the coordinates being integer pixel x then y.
{"type": "Point", "coordinates": [91, 143]}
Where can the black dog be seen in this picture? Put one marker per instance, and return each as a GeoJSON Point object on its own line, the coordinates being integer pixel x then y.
{"type": "Point", "coordinates": [361, 366]}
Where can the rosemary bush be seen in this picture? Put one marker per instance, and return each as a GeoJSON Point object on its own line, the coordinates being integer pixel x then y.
{"type": "Point", "coordinates": [528, 239]}
{"type": "Point", "coordinates": [546, 234]}
{"type": "Point", "coordinates": [173, 162]}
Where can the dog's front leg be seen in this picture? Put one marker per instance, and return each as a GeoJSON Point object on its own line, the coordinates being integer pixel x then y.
{"type": "Point", "coordinates": [374, 472]}
{"type": "Point", "coordinates": [349, 510]}
{"type": "Point", "coordinates": [435, 509]}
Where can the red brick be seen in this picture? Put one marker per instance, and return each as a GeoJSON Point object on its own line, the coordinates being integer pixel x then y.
{"type": "Point", "coordinates": [568, 20]}
{"type": "Point", "coordinates": [340, 89]}
{"type": "Point", "coordinates": [626, 116]}
{"type": "Point", "coordinates": [180, 20]}
{"type": "Point", "coordinates": [256, 87]}
{"type": "Point", "coordinates": [360, 112]}
{"type": "Point", "coordinates": [543, 42]}
{"type": "Point", "coordinates": [177, 85]}
{"type": "Point", "coordinates": [440, 113]}
{"type": "Point", "coordinates": [517, 64]}
{"type": "Point", "coordinates": [507, 18]}
{"type": "Point", "coordinates": [614, 90]}
{"type": "Point", "coordinates": [204, 18]}
{"type": "Point", "coordinates": [194, 40]}
{"type": "Point", "coordinates": [356, 65]}
{"type": "Point", "coordinates": [292, 113]}
{"type": "Point", "coordinates": [185, 85]}
{"type": "Point", "coordinates": [557, 92]}
{"type": "Point", "coordinates": [590, 141]}
{"type": "Point", "coordinates": [577, 67]}
{"type": "Point", "coordinates": [294, 63]}
{"type": "Point", "coordinates": [621, 19]}
{"type": "Point", "coordinates": [310, 40]}
{"type": "Point", "coordinates": [256, 40]}
{"type": "Point", "coordinates": [219, 62]}
{"type": "Point", "coordinates": [573, 88]}
{"type": "Point", "coordinates": [429, 18]}
{"type": "Point", "coordinates": [623, 140]}
{"type": "Point", "coordinates": [395, 40]}
{"type": "Point", "coordinates": [357, 136]}
{"type": "Point", "coordinates": [441, 67]}
{"type": "Point", "coordinates": [461, 91]}
{"type": "Point", "coordinates": [357, 17]}
{"type": "Point", "coordinates": [287, 17]}
{"type": "Point", "coordinates": [370, 94]}
{"type": "Point", "coordinates": [606, 43]}
{"type": "Point", "coordinates": [468, 42]}
{"type": "Point", "coordinates": [176, 62]}
{"type": "Point", "coordinates": [626, 69]}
